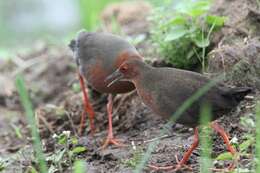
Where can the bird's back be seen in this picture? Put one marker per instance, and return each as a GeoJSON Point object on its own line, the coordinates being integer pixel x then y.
{"type": "Point", "coordinates": [104, 46]}
{"type": "Point", "coordinates": [171, 87]}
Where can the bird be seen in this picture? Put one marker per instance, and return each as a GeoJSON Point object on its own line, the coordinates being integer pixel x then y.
{"type": "Point", "coordinates": [97, 55]}
{"type": "Point", "coordinates": [163, 90]}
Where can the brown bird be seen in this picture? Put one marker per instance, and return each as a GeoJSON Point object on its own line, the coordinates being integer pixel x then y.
{"type": "Point", "coordinates": [165, 89]}
{"type": "Point", "coordinates": [97, 56]}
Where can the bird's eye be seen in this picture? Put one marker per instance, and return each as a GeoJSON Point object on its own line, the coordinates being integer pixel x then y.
{"type": "Point", "coordinates": [124, 69]}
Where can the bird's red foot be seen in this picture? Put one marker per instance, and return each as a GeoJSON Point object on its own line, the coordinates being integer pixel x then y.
{"type": "Point", "coordinates": [179, 166]}
{"type": "Point", "coordinates": [182, 164]}
{"type": "Point", "coordinates": [230, 168]}
{"type": "Point", "coordinates": [113, 141]}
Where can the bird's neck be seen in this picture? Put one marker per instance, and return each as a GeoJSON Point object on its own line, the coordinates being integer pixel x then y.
{"type": "Point", "coordinates": [142, 75]}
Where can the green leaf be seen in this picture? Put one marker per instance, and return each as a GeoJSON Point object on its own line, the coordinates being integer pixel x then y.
{"type": "Point", "coordinates": [246, 144]}
{"type": "Point", "coordinates": [31, 169]}
{"type": "Point", "coordinates": [79, 149]}
{"type": "Point", "coordinates": [182, 6]}
{"type": "Point", "coordinates": [215, 20]}
{"type": "Point", "coordinates": [176, 33]}
{"type": "Point", "coordinates": [2, 165]}
{"type": "Point", "coordinates": [76, 87]}
{"type": "Point", "coordinates": [17, 131]}
{"type": "Point", "coordinates": [62, 139]}
{"type": "Point", "coordinates": [175, 21]}
{"type": "Point", "coordinates": [193, 8]}
{"type": "Point", "coordinates": [79, 166]}
{"type": "Point", "coordinates": [200, 7]}
{"type": "Point", "coordinates": [74, 140]}
{"type": "Point", "coordinates": [190, 54]}
{"type": "Point", "coordinates": [178, 20]}
{"type": "Point", "coordinates": [201, 42]}
{"type": "Point", "coordinates": [196, 12]}
{"type": "Point", "coordinates": [225, 156]}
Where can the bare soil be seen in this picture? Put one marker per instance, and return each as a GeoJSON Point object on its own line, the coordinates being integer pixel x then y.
{"type": "Point", "coordinates": [50, 74]}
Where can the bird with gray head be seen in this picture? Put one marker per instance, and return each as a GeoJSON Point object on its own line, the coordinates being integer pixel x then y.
{"type": "Point", "coordinates": [164, 90]}
{"type": "Point", "coordinates": [97, 56]}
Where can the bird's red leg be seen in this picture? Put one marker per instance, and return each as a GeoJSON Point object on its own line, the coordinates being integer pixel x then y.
{"type": "Point", "coordinates": [110, 137]}
{"type": "Point", "coordinates": [225, 137]}
{"type": "Point", "coordinates": [87, 108]}
{"type": "Point", "coordinates": [186, 155]}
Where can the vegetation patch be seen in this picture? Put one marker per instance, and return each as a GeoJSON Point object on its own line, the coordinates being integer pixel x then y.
{"type": "Point", "coordinates": [182, 32]}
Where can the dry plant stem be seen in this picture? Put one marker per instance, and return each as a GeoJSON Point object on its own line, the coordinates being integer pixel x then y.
{"type": "Point", "coordinates": [87, 108]}
{"type": "Point", "coordinates": [72, 124]}
{"type": "Point", "coordinates": [168, 168]}
{"type": "Point", "coordinates": [228, 170]}
{"type": "Point", "coordinates": [123, 99]}
{"type": "Point", "coordinates": [158, 138]}
{"type": "Point", "coordinates": [25, 64]}
{"type": "Point", "coordinates": [45, 122]}
{"type": "Point", "coordinates": [110, 137]}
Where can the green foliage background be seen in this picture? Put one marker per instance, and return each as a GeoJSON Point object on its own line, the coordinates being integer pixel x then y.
{"type": "Point", "coordinates": [182, 29]}
{"type": "Point", "coordinates": [90, 12]}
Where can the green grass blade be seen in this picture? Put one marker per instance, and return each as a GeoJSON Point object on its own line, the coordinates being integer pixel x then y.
{"type": "Point", "coordinates": [258, 136]}
{"type": "Point", "coordinates": [79, 166]}
{"type": "Point", "coordinates": [174, 117]}
{"type": "Point", "coordinates": [258, 3]}
{"type": "Point", "coordinates": [17, 131]}
{"type": "Point", "coordinates": [27, 105]}
{"type": "Point", "coordinates": [205, 140]}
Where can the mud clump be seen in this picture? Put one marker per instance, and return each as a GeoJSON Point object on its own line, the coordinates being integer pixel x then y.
{"type": "Point", "coordinates": [237, 50]}
{"type": "Point", "coordinates": [130, 16]}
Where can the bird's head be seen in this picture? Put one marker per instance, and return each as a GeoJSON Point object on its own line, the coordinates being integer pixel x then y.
{"type": "Point", "coordinates": [129, 70]}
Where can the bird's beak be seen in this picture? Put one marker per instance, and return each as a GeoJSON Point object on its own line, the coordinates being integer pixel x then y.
{"type": "Point", "coordinates": [114, 77]}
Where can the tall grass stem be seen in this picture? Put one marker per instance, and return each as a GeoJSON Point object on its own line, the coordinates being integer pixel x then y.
{"type": "Point", "coordinates": [258, 136]}
{"type": "Point", "coordinates": [205, 139]}
{"type": "Point", "coordinates": [27, 105]}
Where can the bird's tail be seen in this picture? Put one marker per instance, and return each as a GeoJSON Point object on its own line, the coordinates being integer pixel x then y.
{"type": "Point", "coordinates": [239, 93]}
{"type": "Point", "coordinates": [72, 45]}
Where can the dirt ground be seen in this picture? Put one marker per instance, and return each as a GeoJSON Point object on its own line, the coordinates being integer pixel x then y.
{"type": "Point", "coordinates": [50, 75]}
